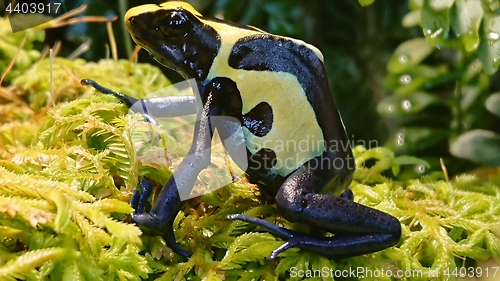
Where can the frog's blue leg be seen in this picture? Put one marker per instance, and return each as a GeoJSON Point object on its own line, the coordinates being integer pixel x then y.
{"type": "Point", "coordinates": [128, 101]}
{"type": "Point", "coordinates": [160, 107]}
{"type": "Point", "coordinates": [161, 216]}
{"type": "Point", "coordinates": [358, 229]}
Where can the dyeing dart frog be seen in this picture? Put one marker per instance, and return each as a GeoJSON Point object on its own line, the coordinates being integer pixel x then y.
{"type": "Point", "coordinates": [276, 90]}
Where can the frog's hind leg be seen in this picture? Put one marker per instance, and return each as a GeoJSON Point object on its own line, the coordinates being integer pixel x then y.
{"type": "Point", "coordinates": [358, 229]}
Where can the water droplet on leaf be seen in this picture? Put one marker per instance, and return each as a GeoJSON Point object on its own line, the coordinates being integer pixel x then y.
{"type": "Point", "coordinates": [405, 79]}
{"type": "Point", "coordinates": [420, 169]}
{"type": "Point", "coordinates": [494, 36]}
{"type": "Point", "coordinates": [400, 139]}
{"type": "Point", "coordinates": [406, 104]}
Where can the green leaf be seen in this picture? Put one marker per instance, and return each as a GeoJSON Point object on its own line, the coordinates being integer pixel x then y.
{"type": "Point", "coordinates": [410, 160]}
{"type": "Point", "coordinates": [474, 203]}
{"type": "Point", "coordinates": [410, 140]}
{"type": "Point", "coordinates": [71, 272]}
{"type": "Point", "coordinates": [109, 205]}
{"type": "Point", "coordinates": [435, 23]}
{"type": "Point", "coordinates": [466, 19]}
{"type": "Point", "coordinates": [402, 105]}
{"type": "Point", "coordinates": [409, 54]}
{"type": "Point", "coordinates": [362, 154]}
{"type": "Point", "coordinates": [414, 79]}
{"type": "Point", "coordinates": [18, 267]}
{"type": "Point", "coordinates": [470, 94]}
{"type": "Point", "coordinates": [365, 3]}
{"type": "Point", "coordinates": [479, 146]}
{"type": "Point", "coordinates": [415, 4]}
{"type": "Point", "coordinates": [412, 19]}
{"type": "Point", "coordinates": [125, 231]}
{"type": "Point", "coordinates": [492, 244]}
{"type": "Point", "coordinates": [493, 104]}
{"type": "Point", "coordinates": [123, 259]}
{"type": "Point", "coordinates": [249, 247]}
{"type": "Point", "coordinates": [489, 48]}
{"type": "Point", "coordinates": [439, 5]}
{"type": "Point", "coordinates": [63, 205]}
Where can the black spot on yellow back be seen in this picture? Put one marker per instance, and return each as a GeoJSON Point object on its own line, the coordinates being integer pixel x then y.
{"type": "Point", "coordinates": [259, 120]}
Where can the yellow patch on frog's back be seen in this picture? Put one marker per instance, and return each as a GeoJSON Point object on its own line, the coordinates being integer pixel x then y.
{"type": "Point", "coordinates": [295, 135]}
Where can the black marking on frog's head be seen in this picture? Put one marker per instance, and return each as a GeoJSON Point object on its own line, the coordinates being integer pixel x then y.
{"type": "Point", "coordinates": [259, 120]}
{"type": "Point", "coordinates": [175, 36]}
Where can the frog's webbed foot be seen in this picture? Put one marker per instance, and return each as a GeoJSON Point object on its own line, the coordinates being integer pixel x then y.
{"type": "Point", "coordinates": [292, 238]}
{"type": "Point", "coordinates": [157, 225]}
{"type": "Point", "coordinates": [333, 247]}
{"type": "Point", "coordinates": [153, 223]}
{"type": "Point", "coordinates": [285, 234]}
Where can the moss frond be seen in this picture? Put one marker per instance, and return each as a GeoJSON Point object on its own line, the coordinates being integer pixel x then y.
{"type": "Point", "coordinates": [23, 266]}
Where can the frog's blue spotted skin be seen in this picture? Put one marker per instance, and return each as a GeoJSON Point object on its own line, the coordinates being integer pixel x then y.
{"type": "Point", "coordinates": [276, 88]}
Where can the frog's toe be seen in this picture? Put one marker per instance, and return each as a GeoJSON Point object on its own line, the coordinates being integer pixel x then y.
{"type": "Point", "coordinates": [282, 233]}
{"type": "Point", "coordinates": [134, 202]}
{"type": "Point", "coordinates": [179, 251]}
{"type": "Point", "coordinates": [157, 225]}
{"type": "Point", "coordinates": [150, 224]}
{"type": "Point", "coordinates": [139, 199]}
{"type": "Point", "coordinates": [337, 246]}
{"type": "Point", "coordinates": [280, 250]}
{"type": "Point", "coordinates": [293, 238]}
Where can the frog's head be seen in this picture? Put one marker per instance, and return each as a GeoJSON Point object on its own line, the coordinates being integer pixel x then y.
{"type": "Point", "coordinates": [175, 36]}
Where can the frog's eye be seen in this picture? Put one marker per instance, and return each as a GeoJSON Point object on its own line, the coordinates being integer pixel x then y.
{"type": "Point", "coordinates": [174, 25]}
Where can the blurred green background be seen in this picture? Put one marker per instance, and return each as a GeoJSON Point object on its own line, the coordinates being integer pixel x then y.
{"type": "Point", "coordinates": [418, 76]}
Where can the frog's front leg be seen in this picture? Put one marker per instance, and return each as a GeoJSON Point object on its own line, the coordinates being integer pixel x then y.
{"type": "Point", "coordinates": [358, 229]}
{"type": "Point", "coordinates": [152, 108]}
{"type": "Point", "coordinates": [161, 216]}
